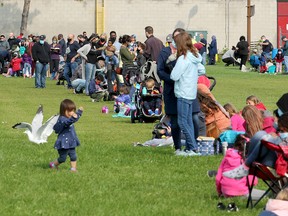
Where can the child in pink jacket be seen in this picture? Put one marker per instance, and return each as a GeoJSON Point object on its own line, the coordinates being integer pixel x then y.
{"type": "Point", "coordinates": [229, 187]}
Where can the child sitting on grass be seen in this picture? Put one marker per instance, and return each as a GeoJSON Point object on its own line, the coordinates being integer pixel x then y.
{"type": "Point", "coordinates": [237, 121]}
{"type": "Point", "coordinates": [254, 101]}
{"type": "Point", "coordinates": [96, 90]}
{"type": "Point", "coordinates": [266, 157]}
{"type": "Point", "coordinates": [123, 99]}
{"type": "Point", "coordinates": [228, 187]}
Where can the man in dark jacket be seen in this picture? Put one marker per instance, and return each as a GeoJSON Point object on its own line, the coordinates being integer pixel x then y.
{"type": "Point", "coordinates": [41, 56]}
{"type": "Point", "coordinates": [153, 45]}
{"type": "Point", "coordinates": [165, 64]}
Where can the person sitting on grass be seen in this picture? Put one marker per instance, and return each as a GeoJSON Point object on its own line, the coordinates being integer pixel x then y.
{"type": "Point", "coordinates": [253, 100]}
{"type": "Point", "coordinates": [266, 157]}
{"type": "Point", "coordinates": [122, 99]}
{"type": "Point", "coordinates": [96, 90]}
{"type": "Point", "coordinates": [237, 121]}
{"type": "Point", "coordinates": [233, 158]}
{"type": "Point", "coordinates": [254, 60]}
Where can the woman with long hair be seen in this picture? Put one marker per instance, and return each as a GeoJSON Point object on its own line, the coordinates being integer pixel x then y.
{"type": "Point", "coordinates": [217, 119]}
{"type": "Point", "coordinates": [253, 120]}
{"type": "Point", "coordinates": [185, 75]}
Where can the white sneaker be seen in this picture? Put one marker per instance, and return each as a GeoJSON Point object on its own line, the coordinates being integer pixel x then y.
{"type": "Point", "coordinates": [192, 153]}
{"type": "Point", "coordinates": [178, 152]}
{"type": "Point", "coordinates": [237, 173]}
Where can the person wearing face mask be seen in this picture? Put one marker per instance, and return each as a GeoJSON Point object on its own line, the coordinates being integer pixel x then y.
{"type": "Point", "coordinates": [55, 50]}
{"type": "Point", "coordinates": [113, 38]}
{"type": "Point", "coordinates": [41, 56]}
{"type": "Point", "coordinates": [89, 54]}
{"type": "Point", "coordinates": [72, 59]}
{"type": "Point", "coordinates": [153, 45]}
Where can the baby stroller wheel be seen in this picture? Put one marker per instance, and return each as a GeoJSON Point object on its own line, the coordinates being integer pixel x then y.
{"type": "Point", "coordinates": [141, 120]}
{"type": "Point", "coordinates": [133, 116]}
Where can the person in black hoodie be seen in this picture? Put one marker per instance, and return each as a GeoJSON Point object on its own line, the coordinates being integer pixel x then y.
{"type": "Point", "coordinates": [41, 56]}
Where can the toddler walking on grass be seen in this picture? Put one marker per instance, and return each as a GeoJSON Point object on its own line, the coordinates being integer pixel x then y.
{"type": "Point", "coordinates": [67, 139]}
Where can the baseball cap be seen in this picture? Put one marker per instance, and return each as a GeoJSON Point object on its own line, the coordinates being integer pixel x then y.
{"type": "Point", "coordinates": [42, 37]}
{"type": "Point", "coordinates": [255, 50]}
{"type": "Point", "coordinates": [169, 38]}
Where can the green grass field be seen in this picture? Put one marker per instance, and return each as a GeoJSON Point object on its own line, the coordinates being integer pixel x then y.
{"type": "Point", "coordinates": [114, 178]}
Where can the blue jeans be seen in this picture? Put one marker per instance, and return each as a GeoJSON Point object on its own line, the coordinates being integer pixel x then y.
{"type": "Point", "coordinates": [90, 70]}
{"type": "Point", "coordinates": [204, 56]}
{"type": "Point", "coordinates": [40, 75]}
{"type": "Point", "coordinates": [111, 59]}
{"type": "Point", "coordinates": [185, 122]}
{"type": "Point", "coordinates": [78, 84]}
{"type": "Point", "coordinates": [267, 55]}
{"type": "Point", "coordinates": [266, 156]}
{"type": "Point", "coordinates": [27, 69]}
{"type": "Point", "coordinates": [69, 70]}
{"type": "Point", "coordinates": [286, 63]}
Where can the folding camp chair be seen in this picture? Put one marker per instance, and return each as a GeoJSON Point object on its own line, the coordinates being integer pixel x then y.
{"type": "Point", "coordinates": [269, 176]}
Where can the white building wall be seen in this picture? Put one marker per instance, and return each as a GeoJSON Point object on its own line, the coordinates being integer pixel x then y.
{"type": "Point", "coordinates": [226, 19]}
{"type": "Point", "coordinates": [49, 17]}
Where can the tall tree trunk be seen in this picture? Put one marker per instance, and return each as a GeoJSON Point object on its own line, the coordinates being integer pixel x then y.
{"type": "Point", "coordinates": [25, 13]}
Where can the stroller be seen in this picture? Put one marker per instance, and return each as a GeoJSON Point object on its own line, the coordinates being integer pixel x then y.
{"type": "Point", "coordinates": [138, 112]}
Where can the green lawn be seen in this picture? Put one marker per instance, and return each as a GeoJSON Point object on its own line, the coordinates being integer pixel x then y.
{"type": "Point", "coordinates": [114, 178]}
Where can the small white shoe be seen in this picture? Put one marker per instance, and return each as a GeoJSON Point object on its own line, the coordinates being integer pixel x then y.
{"type": "Point", "coordinates": [178, 152]}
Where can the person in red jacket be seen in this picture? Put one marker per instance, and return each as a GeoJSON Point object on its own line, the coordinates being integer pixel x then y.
{"type": "Point", "coordinates": [16, 64]}
{"type": "Point", "coordinates": [254, 101]}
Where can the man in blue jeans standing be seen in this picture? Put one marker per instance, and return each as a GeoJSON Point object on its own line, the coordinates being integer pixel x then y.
{"type": "Point", "coordinates": [41, 56]}
{"type": "Point", "coordinates": [71, 63]}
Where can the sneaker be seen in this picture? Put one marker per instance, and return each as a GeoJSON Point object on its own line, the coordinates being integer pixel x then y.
{"type": "Point", "coordinates": [93, 100]}
{"type": "Point", "coordinates": [221, 206]}
{"type": "Point", "coordinates": [211, 173]}
{"type": "Point", "coordinates": [232, 207]}
{"type": "Point", "coordinates": [156, 111]}
{"type": "Point", "coordinates": [73, 170]}
{"type": "Point", "coordinates": [192, 153]}
{"type": "Point", "coordinates": [178, 152]}
{"type": "Point", "coordinates": [237, 173]}
{"type": "Point", "coordinates": [137, 144]}
{"type": "Point", "coordinates": [150, 112]}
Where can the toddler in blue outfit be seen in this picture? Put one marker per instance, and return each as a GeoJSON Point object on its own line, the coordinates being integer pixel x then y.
{"type": "Point", "coordinates": [67, 139]}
